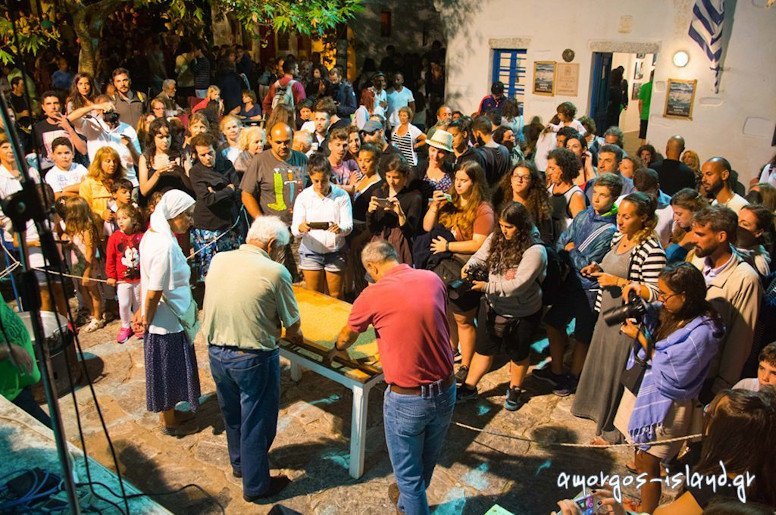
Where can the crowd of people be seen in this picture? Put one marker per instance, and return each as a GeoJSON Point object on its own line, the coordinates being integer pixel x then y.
{"type": "Point", "coordinates": [503, 231]}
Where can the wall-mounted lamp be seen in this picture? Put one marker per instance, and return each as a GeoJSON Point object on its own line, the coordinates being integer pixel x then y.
{"type": "Point", "coordinates": [681, 58]}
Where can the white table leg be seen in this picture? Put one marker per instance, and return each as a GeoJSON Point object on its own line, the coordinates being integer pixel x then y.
{"type": "Point", "coordinates": [358, 432]}
{"type": "Point", "coordinates": [296, 371]}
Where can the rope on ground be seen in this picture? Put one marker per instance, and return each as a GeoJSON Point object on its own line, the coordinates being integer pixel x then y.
{"type": "Point", "coordinates": [577, 445]}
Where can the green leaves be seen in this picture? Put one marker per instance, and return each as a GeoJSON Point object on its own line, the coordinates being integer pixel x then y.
{"type": "Point", "coordinates": [306, 17]}
{"type": "Point", "coordinates": [30, 37]}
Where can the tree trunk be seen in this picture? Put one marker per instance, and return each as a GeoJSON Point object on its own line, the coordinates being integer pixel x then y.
{"type": "Point", "coordinates": [88, 21]}
{"type": "Point", "coordinates": [87, 62]}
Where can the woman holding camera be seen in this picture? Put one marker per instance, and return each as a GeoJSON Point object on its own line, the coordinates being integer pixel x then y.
{"type": "Point", "coordinates": [678, 339]}
{"type": "Point", "coordinates": [738, 442]}
{"type": "Point", "coordinates": [467, 218]}
{"type": "Point", "coordinates": [628, 271]}
{"type": "Point", "coordinates": [516, 262]}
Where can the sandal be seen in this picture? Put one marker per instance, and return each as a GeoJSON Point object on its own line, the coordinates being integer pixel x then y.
{"type": "Point", "coordinates": [94, 325]}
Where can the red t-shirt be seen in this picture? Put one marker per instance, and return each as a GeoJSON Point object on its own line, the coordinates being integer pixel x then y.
{"type": "Point", "coordinates": [407, 308]}
{"type": "Point", "coordinates": [122, 260]}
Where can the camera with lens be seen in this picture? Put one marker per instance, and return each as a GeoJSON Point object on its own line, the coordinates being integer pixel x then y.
{"type": "Point", "coordinates": [111, 118]}
{"type": "Point", "coordinates": [459, 287]}
{"type": "Point", "coordinates": [634, 308]}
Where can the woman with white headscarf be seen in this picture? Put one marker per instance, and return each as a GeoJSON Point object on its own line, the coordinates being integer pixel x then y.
{"type": "Point", "coordinates": [169, 312]}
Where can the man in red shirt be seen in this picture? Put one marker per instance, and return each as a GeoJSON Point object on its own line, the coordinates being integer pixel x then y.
{"type": "Point", "coordinates": [414, 344]}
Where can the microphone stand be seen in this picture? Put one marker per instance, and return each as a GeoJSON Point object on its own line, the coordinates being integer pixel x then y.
{"type": "Point", "coordinates": [21, 207]}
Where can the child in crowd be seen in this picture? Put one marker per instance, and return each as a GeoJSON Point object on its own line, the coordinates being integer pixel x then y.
{"type": "Point", "coordinates": [65, 177]}
{"type": "Point", "coordinates": [566, 113]}
{"type": "Point", "coordinates": [766, 371]}
{"type": "Point", "coordinates": [84, 234]}
{"type": "Point", "coordinates": [586, 240]}
{"type": "Point", "coordinates": [123, 265]}
{"type": "Point", "coordinates": [121, 195]}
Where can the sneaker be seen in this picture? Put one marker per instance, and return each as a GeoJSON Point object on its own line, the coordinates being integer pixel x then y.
{"type": "Point", "coordinates": [460, 376]}
{"type": "Point", "coordinates": [514, 399]}
{"type": "Point", "coordinates": [566, 386]}
{"type": "Point", "coordinates": [94, 325]}
{"type": "Point", "coordinates": [546, 375]}
{"type": "Point", "coordinates": [124, 334]}
{"type": "Point", "coordinates": [465, 393]}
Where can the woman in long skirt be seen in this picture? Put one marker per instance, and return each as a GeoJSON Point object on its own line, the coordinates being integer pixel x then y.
{"type": "Point", "coordinates": [170, 361]}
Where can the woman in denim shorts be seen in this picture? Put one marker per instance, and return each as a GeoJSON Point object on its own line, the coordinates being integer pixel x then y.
{"type": "Point", "coordinates": [322, 217]}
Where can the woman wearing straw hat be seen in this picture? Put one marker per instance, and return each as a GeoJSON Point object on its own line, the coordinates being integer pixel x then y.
{"type": "Point", "coordinates": [438, 174]}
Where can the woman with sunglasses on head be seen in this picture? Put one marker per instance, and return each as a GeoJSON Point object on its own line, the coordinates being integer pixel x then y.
{"type": "Point", "coordinates": [675, 344]}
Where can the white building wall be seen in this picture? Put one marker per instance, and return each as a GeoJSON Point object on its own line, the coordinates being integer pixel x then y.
{"type": "Point", "coordinates": [738, 122]}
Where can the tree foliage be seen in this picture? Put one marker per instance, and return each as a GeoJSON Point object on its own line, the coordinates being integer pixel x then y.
{"type": "Point", "coordinates": [31, 36]}
{"type": "Point", "coordinates": [307, 17]}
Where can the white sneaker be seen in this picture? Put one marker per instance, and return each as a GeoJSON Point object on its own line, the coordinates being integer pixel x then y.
{"type": "Point", "coordinates": [94, 325]}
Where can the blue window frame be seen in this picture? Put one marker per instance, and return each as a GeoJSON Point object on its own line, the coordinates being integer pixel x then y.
{"type": "Point", "coordinates": [509, 68]}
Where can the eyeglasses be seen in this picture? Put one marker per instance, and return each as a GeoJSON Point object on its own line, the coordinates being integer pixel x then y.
{"type": "Point", "coordinates": [662, 297]}
{"type": "Point", "coordinates": [521, 178]}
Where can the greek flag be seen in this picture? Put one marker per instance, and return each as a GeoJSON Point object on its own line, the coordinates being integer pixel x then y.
{"type": "Point", "coordinates": [708, 21]}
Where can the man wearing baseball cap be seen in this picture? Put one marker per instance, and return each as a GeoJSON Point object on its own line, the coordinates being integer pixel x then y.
{"type": "Point", "coordinates": [373, 133]}
{"type": "Point", "coordinates": [493, 101]}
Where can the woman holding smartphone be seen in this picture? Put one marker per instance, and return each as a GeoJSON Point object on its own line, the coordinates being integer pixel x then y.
{"type": "Point", "coordinates": [323, 218]}
{"type": "Point", "coordinates": [468, 218]}
{"type": "Point", "coordinates": [394, 212]}
{"type": "Point", "coordinates": [159, 167]}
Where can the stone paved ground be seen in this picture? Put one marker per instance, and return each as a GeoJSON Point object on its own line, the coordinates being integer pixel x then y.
{"type": "Point", "coordinates": [475, 471]}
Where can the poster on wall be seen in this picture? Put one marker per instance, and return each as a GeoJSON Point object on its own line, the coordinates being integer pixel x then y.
{"type": "Point", "coordinates": [567, 79]}
{"type": "Point", "coordinates": [638, 71]}
{"type": "Point", "coordinates": [636, 89]}
{"type": "Point", "coordinates": [544, 78]}
{"type": "Point", "coordinates": [680, 96]}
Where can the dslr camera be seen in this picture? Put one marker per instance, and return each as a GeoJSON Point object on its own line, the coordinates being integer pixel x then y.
{"type": "Point", "coordinates": [634, 308]}
{"type": "Point", "coordinates": [457, 288]}
{"type": "Point", "coordinates": [111, 118]}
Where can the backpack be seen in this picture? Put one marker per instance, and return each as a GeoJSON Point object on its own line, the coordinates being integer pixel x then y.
{"type": "Point", "coordinates": [557, 271]}
{"type": "Point", "coordinates": [284, 94]}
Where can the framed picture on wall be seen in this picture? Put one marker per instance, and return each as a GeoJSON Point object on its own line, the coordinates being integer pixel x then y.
{"type": "Point", "coordinates": [636, 89]}
{"type": "Point", "coordinates": [680, 97]}
{"type": "Point", "coordinates": [544, 78]}
{"type": "Point", "coordinates": [638, 71]}
{"type": "Point", "coordinates": [641, 55]}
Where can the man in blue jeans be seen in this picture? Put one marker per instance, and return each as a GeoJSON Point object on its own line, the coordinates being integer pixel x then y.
{"type": "Point", "coordinates": [414, 343]}
{"type": "Point", "coordinates": [248, 297]}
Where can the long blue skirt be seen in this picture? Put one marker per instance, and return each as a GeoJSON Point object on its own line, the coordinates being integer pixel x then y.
{"type": "Point", "coordinates": [171, 371]}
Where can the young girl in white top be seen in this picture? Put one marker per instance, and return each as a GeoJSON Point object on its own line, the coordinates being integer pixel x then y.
{"type": "Point", "coordinates": [566, 113]}
{"type": "Point", "coordinates": [322, 217]}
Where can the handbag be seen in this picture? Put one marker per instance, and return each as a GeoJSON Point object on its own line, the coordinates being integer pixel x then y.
{"type": "Point", "coordinates": [631, 377]}
{"type": "Point", "coordinates": [494, 326]}
{"type": "Point", "coordinates": [188, 319]}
